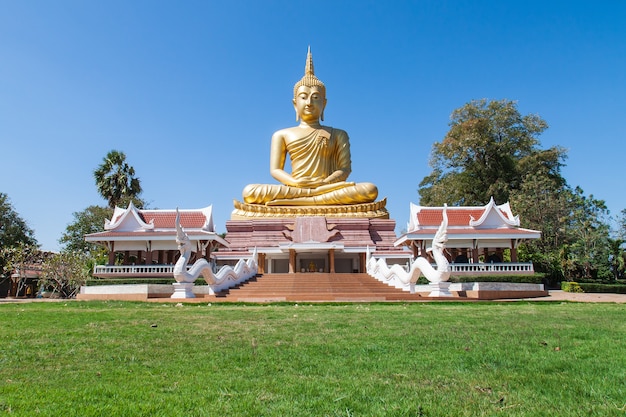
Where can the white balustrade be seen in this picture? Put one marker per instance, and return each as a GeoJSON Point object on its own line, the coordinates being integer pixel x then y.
{"type": "Point", "coordinates": [134, 270]}
{"type": "Point", "coordinates": [493, 268]}
{"type": "Point", "coordinates": [455, 268]}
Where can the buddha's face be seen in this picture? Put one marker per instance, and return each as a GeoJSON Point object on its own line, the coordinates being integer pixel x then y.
{"type": "Point", "coordinates": [309, 103]}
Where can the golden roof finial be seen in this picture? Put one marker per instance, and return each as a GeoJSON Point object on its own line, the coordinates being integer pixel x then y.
{"type": "Point", "coordinates": [309, 79]}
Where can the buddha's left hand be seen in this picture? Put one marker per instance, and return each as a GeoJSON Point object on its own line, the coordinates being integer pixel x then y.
{"type": "Point", "coordinates": [326, 188]}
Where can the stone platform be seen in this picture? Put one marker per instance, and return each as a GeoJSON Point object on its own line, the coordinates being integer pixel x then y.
{"type": "Point", "coordinates": [313, 287]}
{"type": "Point", "coordinates": [311, 243]}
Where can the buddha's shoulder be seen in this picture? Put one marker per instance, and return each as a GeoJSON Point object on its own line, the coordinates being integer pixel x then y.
{"type": "Point", "coordinates": [336, 132]}
{"type": "Point", "coordinates": [286, 132]}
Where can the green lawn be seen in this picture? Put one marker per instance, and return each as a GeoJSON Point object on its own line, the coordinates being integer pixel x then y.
{"type": "Point", "coordinates": [417, 359]}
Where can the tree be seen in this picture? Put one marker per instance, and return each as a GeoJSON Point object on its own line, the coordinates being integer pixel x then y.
{"type": "Point", "coordinates": [90, 220]}
{"type": "Point", "coordinates": [491, 150]}
{"type": "Point", "coordinates": [64, 273]}
{"type": "Point", "coordinates": [14, 232]}
{"type": "Point", "coordinates": [17, 260]}
{"type": "Point", "coordinates": [589, 246]}
{"type": "Point", "coordinates": [488, 151]}
{"type": "Point", "coordinates": [13, 229]}
{"type": "Point", "coordinates": [617, 258]}
{"type": "Point", "coordinates": [621, 225]}
{"type": "Point", "coordinates": [574, 228]}
{"type": "Point", "coordinates": [116, 180]}
{"type": "Point", "coordinates": [544, 204]}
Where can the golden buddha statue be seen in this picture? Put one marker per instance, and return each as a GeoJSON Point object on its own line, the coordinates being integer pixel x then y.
{"type": "Point", "coordinates": [320, 162]}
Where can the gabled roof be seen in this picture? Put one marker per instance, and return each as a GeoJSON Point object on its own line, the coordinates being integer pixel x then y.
{"type": "Point", "coordinates": [132, 223]}
{"type": "Point", "coordinates": [127, 220]}
{"type": "Point", "coordinates": [467, 223]}
{"type": "Point", "coordinates": [133, 219]}
{"type": "Point", "coordinates": [488, 216]}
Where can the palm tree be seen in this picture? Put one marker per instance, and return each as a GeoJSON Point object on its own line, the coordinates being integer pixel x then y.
{"type": "Point", "coordinates": [115, 179]}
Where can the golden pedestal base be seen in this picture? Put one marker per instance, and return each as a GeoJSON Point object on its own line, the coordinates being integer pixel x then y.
{"type": "Point", "coordinates": [375, 210]}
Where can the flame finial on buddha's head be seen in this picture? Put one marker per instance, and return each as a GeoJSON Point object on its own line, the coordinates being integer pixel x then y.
{"type": "Point", "coordinates": [309, 79]}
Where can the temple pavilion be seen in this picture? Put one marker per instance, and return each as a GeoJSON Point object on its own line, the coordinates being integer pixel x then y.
{"type": "Point", "coordinates": [142, 243]}
{"type": "Point", "coordinates": [478, 237]}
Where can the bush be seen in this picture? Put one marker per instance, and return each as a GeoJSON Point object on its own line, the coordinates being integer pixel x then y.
{"type": "Point", "coordinates": [517, 279]}
{"type": "Point", "coordinates": [610, 281]}
{"type": "Point", "coordinates": [126, 281]}
{"type": "Point", "coordinates": [603, 288]}
{"type": "Point", "coordinates": [571, 286]}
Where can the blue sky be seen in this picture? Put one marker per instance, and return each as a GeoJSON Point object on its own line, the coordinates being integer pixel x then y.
{"type": "Point", "coordinates": [192, 91]}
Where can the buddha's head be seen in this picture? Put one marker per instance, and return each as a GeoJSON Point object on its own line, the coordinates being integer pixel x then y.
{"type": "Point", "coordinates": [309, 94]}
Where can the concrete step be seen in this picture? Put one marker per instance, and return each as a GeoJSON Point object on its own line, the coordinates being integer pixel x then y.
{"type": "Point", "coordinates": [313, 287]}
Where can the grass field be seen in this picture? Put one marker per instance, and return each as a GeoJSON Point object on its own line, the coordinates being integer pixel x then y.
{"type": "Point", "coordinates": [417, 359]}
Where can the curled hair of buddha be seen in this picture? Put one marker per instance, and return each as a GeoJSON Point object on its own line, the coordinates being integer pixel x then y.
{"type": "Point", "coordinates": [309, 79]}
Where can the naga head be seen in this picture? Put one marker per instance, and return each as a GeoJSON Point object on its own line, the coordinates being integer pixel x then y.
{"type": "Point", "coordinates": [441, 237]}
{"type": "Point", "coordinates": [184, 244]}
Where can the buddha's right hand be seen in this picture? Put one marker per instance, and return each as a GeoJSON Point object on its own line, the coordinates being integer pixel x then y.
{"type": "Point", "coordinates": [307, 183]}
{"type": "Point", "coordinates": [326, 188]}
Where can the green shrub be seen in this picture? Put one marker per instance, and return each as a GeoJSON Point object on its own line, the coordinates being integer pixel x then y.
{"type": "Point", "coordinates": [517, 279]}
{"type": "Point", "coordinates": [610, 281]}
{"type": "Point", "coordinates": [423, 280]}
{"type": "Point", "coordinates": [571, 286]}
{"type": "Point", "coordinates": [126, 281]}
{"type": "Point", "coordinates": [603, 288]}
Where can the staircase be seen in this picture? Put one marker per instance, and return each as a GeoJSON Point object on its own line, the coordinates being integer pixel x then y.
{"type": "Point", "coordinates": [318, 287]}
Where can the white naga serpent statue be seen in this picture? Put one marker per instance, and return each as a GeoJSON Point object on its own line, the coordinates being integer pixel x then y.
{"type": "Point", "coordinates": [226, 277]}
{"type": "Point", "coordinates": [399, 277]}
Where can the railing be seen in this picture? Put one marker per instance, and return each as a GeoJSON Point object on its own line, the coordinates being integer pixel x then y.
{"type": "Point", "coordinates": [493, 268]}
{"type": "Point", "coordinates": [134, 270]}
{"type": "Point", "coordinates": [168, 270]}
{"type": "Point", "coordinates": [137, 270]}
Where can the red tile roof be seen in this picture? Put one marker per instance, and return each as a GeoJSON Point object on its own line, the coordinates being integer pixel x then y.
{"type": "Point", "coordinates": [167, 219]}
{"type": "Point", "coordinates": [456, 216]}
